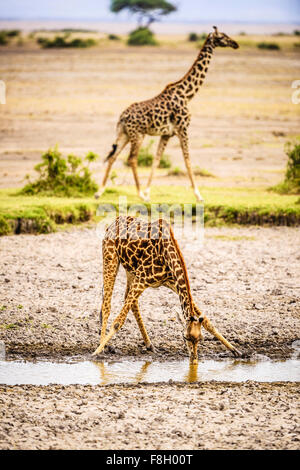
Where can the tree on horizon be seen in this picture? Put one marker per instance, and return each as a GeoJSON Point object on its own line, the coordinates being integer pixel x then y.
{"type": "Point", "coordinates": [146, 10]}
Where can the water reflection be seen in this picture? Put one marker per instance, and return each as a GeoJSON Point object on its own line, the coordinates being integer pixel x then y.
{"type": "Point", "coordinates": [192, 375]}
{"type": "Point", "coordinates": [133, 372]}
{"type": "Point", "coordinates": [109, 374]}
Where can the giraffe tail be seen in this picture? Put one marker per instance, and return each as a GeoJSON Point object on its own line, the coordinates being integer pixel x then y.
{"type": "Point", "coordinates": [121, 141]}
{"type": "Point", "coordinates": [112, 152]}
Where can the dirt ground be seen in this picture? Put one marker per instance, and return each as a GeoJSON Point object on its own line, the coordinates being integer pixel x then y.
{"type": "Point", "coordinates": [162, 416]}
{"type": "Point", "coordinates": [245, 280]}
{"type": "Point", "coordinates": [241, 117]}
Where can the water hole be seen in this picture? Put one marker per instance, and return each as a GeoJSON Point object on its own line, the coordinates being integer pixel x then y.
{"type": "Point", "coordinates": [134, 372]}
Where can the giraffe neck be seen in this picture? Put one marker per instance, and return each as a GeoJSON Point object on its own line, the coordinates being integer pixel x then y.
{"type": "Point", "coordinates": [189, 85]}
{"type": "Point", "coordinates": [185, 298]}
{"type": "Point", "coordinates": [181, 280]}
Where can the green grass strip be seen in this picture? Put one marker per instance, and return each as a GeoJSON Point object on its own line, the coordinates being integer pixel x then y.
{"type": "Point", "coordinates": [245, 206]}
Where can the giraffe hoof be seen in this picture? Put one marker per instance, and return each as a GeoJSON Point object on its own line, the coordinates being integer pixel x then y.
{"type": "Point", "coordinates": [150, 348]}
{"type": "Point", "coordinates": [142, 196]}
{"type": "Point", "coordinates": [236, 353]}
{"type": "Point", "coordinates": [97, 351]}
{"type": "Point", "coordinates": [99, 194]}
{"type": "Point", "coordinates": [198, 196]}
{"type": "Point", "coordinates": [147, 194]}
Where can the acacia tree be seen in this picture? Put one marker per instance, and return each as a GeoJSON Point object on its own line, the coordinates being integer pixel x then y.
{"type": "Point", "coordinates": [147, 11]}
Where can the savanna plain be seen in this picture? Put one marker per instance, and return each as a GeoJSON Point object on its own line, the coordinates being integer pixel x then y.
{"type": "Point", "coordinates": [244, 278]}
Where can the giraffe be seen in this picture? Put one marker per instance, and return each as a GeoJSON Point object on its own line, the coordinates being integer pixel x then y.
{"type": "Point", "coordinates": [152, 258]}
{"type": "Point", "coordinates": [165, 115]}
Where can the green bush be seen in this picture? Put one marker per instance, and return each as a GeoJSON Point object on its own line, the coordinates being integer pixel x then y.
{"type": "Point", "coordinates": [193, 37]}
{"type": "Point", "coordinates": [11, 33]}
{"type": "Point", "coordinates": [145, 157]}
{"type": "Point", "coordinates": [3, 38]}
{"type": "Point", "coordinates": [268, 45]}
{"type": "Point", "coordinates": [291, 183]}
{"type": "Point", "coordinates": [297, 32]}
{"type": "Point", "coordinates": [113, 37]}
{"type": "Point", "coordinates": [62, 42]}
{"type": "Point", "coordinates": [177, 171]}
{"type": "Point", "coordinates": [142, 37]}
{"type": "Point", "coordinates": [165, 162]}
{"type": "Point", "coordinates": [62, 177]}
{"type": "Point", "coordinates": [202, 172]}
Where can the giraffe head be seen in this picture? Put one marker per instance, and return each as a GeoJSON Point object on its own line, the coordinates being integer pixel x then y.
{"type": "Point", "coordinates": [192, 336]}
{"type": "Point", "coordinates": [221, 39]}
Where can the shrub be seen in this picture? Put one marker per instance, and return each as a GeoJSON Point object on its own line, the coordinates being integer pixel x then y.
{"type": "Point", "coordinates": [202, 172]}
{"type": "Point", "coordinates": [11, 33]}
{"type": "Point", "coordinates": [165, 162]}
{"type": "Point", "coordinates": [142, 37]}
{"type": "Point", "coordinates": [193, 37]}
{"type": "Point", "coordinates": [3, 38]}
{"type": "Point", "coordinates": [113, 37]}
{"type": "Point", "coordinates": [177, 171]}
{"type": "Point", "coordinates": [145, 157]}
{"type": "Point", "coordinates": [268, 45]}
{"type": "Point", "coordinates": [62, 42]}
{"type": "Point", "coordinates": [62, 177]}
{"type": "Point", "coordinates": [291, 183]}
{"type": "Point", "coordinates": [297, 32]}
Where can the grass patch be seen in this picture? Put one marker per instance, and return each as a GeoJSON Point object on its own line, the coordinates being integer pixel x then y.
{"type": "Point", "coordinates": [243, 206]}
{"type": "Point", "coordinates": [202, 172]}
{"type": "Point", "coordinates": [232, 237]}
{"type": "Point", "coordinates": [145, 157]}
{"type": "Point", "coordinates": [176, 171]}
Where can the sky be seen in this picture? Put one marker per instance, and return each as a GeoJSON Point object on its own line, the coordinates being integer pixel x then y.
{"type": "Point", "coordinates": [262, 11]}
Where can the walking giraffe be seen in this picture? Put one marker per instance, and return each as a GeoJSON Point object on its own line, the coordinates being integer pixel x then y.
{"type": "Point", "coordinates": [152, 258]}
{"type": "Point", "coordinates": [165, 115]}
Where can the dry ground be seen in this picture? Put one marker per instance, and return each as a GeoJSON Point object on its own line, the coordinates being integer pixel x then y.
{"type": "Point", "coordinates": [245, 280]}
{"type": "Point", "coordinates": [163, 416]}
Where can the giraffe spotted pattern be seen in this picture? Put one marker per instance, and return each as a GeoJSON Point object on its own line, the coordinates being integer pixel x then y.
{"type": "Point", "coordinates": [151, 258]}
{"type": "Point", "coordinates": [165, 115]}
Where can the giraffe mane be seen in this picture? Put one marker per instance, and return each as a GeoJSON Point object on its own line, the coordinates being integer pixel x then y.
{"type": "Point", "coordinates": [183, 266]}
{"type": "Point", "coordinates": [188, 72]}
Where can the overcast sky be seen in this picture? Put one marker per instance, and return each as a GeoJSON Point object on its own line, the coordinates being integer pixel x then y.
{"type": "Point", "coordinates": [265, 11]}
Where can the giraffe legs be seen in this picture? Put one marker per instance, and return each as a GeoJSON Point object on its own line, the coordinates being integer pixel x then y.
{"type": "Point", "coordinates": [137, 314]}
{"type": "Point", "coordinates": [136, 311]}
{"type": "Point", "coordinates": [183, 137]}
{"type": "Point", "coordinates": [134, 292]}
{"type": "Point", "coordinates": [136, 143]}
{"type": "Point", "coordinates": [212, 330]}
{"type": "Point", "coordinates": [161, 147]}
{"type": "Point", "coordinates": [110, 270]}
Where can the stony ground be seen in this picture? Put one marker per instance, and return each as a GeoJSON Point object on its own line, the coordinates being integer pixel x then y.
{"type": "Point", "coordinates": [178, 416]}
{"type": "Point", "coordinates": [246, 280]}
